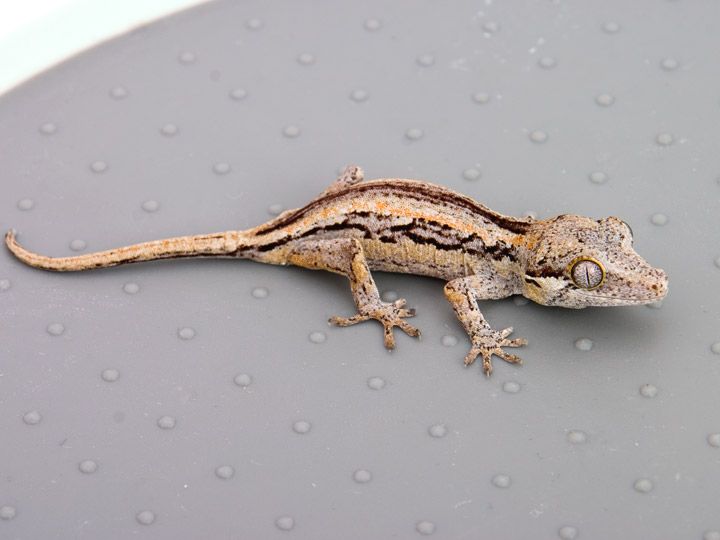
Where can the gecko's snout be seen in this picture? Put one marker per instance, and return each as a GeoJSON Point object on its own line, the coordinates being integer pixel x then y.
{"type": "Point", "coordinates": [661, 285]}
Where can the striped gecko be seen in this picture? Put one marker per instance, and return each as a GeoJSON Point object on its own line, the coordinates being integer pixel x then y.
{"type": "Point", "coordinates": [356, 226]}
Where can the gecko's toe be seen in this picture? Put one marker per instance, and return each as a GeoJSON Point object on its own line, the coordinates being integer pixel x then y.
{"type": "Point", "coordinates": [389, 337]}
{"type": "Point", "coordinates": [408, 328]}
{"type": "Point", "coordinates": [510, 358]}
{"type": "Point", "coordinates": [515, 342]}
{"type": "Point", "coordinates": [487, 363]}
{"type": "Point", "coordinates": [348, 321]}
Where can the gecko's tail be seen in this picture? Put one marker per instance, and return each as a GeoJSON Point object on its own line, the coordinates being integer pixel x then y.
{"type": "Point", "coordinates": [225, 244]}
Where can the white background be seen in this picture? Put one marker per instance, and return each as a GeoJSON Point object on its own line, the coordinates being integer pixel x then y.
{"type": "Point", "coordinates": [36, 34]}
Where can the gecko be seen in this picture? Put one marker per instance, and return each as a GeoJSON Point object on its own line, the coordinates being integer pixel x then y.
{"type": "Point", "coordinates": [357, 226]}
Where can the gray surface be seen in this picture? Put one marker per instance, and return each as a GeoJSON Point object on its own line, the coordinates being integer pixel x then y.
{"type": "Point", "coordinates": [647, 466]}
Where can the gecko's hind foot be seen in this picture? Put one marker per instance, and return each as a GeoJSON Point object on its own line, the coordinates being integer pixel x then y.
{"type": "Point", "coordinates": [389, 315]}
{"type": "Point", "coordinates": [488, 344]}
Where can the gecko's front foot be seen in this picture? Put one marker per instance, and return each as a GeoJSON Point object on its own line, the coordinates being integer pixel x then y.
{"type": "Point", "coordinates": [489, 343]}
{"type": "Point", "coordinates": [390, 315]}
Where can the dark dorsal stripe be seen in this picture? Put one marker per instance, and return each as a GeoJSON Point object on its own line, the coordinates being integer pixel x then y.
{"type": "Point", "coordinates": [420, 191]}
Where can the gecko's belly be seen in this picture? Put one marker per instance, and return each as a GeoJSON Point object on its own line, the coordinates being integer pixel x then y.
{"type": "Point", "coordinates": [409, 257]}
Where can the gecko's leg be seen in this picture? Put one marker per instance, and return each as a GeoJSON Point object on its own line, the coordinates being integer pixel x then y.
{"type": "Point", "coordinates": [463, 293]}
{"type": "Point", "coordinates": [345, 256]}
{"type": "Point", "coordinates": [351, 175]}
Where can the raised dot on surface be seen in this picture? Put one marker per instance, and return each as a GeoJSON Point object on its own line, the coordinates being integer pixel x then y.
{"type": "Point", "coordinates": [7, 512]}
{"type": "Point", "coordinates": [538, 136]}
{"type": "Point", "coordinates": [151, 205]}
{"type": "Point", "coordinates": [131, 288]}
{"type": "Point", "coordinates": [359, 95]}
{"type": "Point", "coordinates": [222, 168]}
{"type": "Point", "coordinates": [56, 329]}
{"type": "Point", "coordinates": [576, 436]}
{"type": "Point", "coordinates": [254, 24]}
{"type": "Point", "coordinates": [472, 174]}
{"type": "Point", "coordinates": [598, 177]}
{"type": "Point", "coordinates": [32, 418]}
{"type": "Point", "coordinates": [187, 58]}
{"type": "Point", "coordinates": [376, 383]}
{"type": "Point", "coordinates": [285, 523]}
{"type": "Point", "coordinates": [78, 245]}
{"type": "Point", "coordinates": [25, 204]}
{"type": "Point", "coordinates": [238, 94]}
{"type": "Point", "coordinates": [243, 380]}
{"type": "Point", "coordinates": [669, 64]}
{"type": "Point", "coordinates": [511, 387]}
{"type": "Point", "coordinates": [437, 430]}
{"type": "Point", "coordinates": [119, 92]}
{"type": "Point", "coordinates": [611, 27]}
{"type": "Point", "coordinates": [584, 344]}
{"type": "Point", "coordinates": [260, 292]}
{"type": "Point", "coordinates": [166, 422]}
{"type": "Point", "coordinates": [88, 466]}
{"type": "Point", "coordinates": [389, 295]}
{"type": "Point", "coordinates": [715, 347]}
{"type": "Point", "coordinates": [146, 517]}
{"type": "Point", "coordinates": [501, 480]}
{"type": "Point", "coordinates": [568, 532]}
{"type": "Point", "coordinates": [4, 285]}
{"type": "Point", "coordinates": [659, 219]}
{"type": "Point", "coordinates": [546, 62]}
{"type": "Point", "coordinates": [648, 390]}
{"type": "Point", "coordinates": [373, 24]}
{"type": "Point", "coordinates": [306, 59]}
{"type": "Point", "coordinates": [414, 134]}
{"type": "Point", "coordinates": [301, 427]}
{"type": "Point", "coordinates": [48, 128]}
{"type": "Point", "coordinates": [643, 485]}
{"type": "Point", "coordinates": [275, 209]}
{"type": "Point", "coordinates": [425, 527]}
{"type": "Point", "coordinates": [99, 166]}
{"type": "Point", "coordinates": [520, 300]}
{"type": "Point", "coordinates": [291, 131]}
{"type": "Point", "coordinates": [362, 476]}
{"type": "Point", "coordinates": [665, 139]}
{"type": "Point", "coordinates": [605, 100]}
{"type": "Point", "coordinates": [317, 337]}
{"type": "Point", "coordinates": [426, 60]}
{"type": "Point", "coordinates": [169, 130]}
{"type": "Point", "coordinates": [186, 333]}
{"type": "Point", "coordinates": [226, 472]}
{"type": "Point", "coordinates": [449, 340]}
{"type": "Point", "coordinates": [110, 375]}
{"type": "Point", "coordinates": [714, 440]}
{"type": "Point", "coordinates": [491, 27]}
{"type": "Point", "coordinates": [481, 97]}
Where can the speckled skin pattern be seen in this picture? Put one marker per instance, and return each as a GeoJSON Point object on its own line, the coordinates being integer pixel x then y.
{"type": "Point", "coordinates": [408, 226]}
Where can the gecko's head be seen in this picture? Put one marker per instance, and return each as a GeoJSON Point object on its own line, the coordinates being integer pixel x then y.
{"type": "Point", "coordinates": [577, 262]}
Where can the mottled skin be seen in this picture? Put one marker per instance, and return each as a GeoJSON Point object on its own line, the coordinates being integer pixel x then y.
{"type": "Point", "coordinates": [408, 226]}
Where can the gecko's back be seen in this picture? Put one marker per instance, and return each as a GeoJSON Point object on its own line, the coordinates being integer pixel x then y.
{"type": "Point", "coordinates": [403, 225]}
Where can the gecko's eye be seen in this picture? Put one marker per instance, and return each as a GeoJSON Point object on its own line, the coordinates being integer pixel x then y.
{"type": "Point", "coordinates": [587, 273]}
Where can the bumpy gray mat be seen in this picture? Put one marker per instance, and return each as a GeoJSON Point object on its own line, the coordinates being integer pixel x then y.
{"type": "Point", "coordinates": [209, 399]}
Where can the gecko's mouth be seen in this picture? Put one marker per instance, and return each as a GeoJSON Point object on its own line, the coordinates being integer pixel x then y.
{"type": "Point", "coordinates": [646, 296]}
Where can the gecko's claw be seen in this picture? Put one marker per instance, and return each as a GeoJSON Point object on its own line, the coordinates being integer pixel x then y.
{"type": "Point", "coordinates": [487, 345]}
{"type": "Point", "coordinates": [389, 315]}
